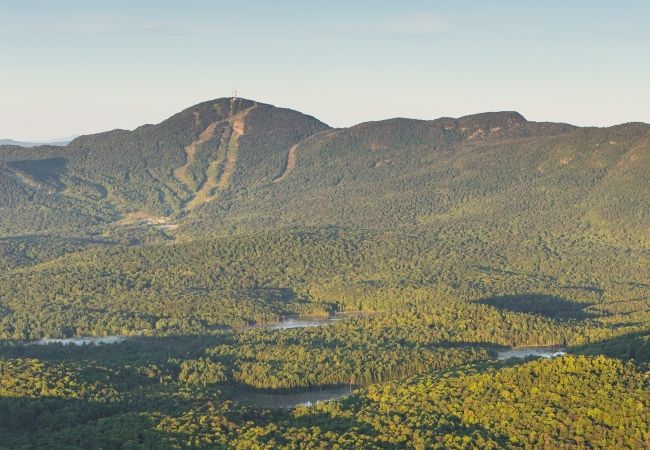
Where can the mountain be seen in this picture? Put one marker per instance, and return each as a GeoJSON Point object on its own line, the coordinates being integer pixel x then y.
{"type": "Point", "coordinates": [447, 242]}
{"type": "Point", "coordinates": [236, 163]}
{"type": "Point", "coordinates": [163, 170]}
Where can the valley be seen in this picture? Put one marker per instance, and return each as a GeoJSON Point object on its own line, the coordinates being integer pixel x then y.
{"type": "Point", "coordinates": [255, 278]}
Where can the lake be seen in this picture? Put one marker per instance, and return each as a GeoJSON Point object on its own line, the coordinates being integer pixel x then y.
{"type": "Point", "coordinates": [284, 324]}
{"type": "Point", "coordinates": [525, 352]}
{"type": "Point", "coordinates": [81, 340]}
{"type": "Point", "coordinates": [309, 397]}
{"type": "Point", "coordinates": [292, 399]}
{"type": "Point", "coordinates": [300, 322]}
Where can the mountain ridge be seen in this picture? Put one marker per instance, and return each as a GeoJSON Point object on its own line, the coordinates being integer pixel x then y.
{"type": "Point", "coordinates": [514, 116]}
{"type": "Point", "coordinates": [240, 163]}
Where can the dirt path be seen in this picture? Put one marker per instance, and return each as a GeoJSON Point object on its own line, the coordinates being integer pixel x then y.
{"type": "Point", "coordinates": [293, 152]}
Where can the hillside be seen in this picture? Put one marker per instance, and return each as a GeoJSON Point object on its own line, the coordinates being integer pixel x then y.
{"type": "Point", "coordinates": [237, 164]}
{"type": "Point", "coordinates": [486, 169]}
{"type": "Point", "coordinates": [443, 243]}
{"type": "Point", "coordinates": [158, 172]}
{"type": "Point", "coordinates": [473, 208]}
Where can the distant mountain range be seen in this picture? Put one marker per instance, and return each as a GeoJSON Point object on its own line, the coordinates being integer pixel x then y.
{"type": "Point", "coordinates": [57, 142]}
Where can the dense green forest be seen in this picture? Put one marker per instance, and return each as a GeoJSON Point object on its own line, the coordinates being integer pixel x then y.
{"type": "Point", "coordinates": [137, 395]}
{"type": "Point", "coordinates": [445, 241]}
{"type": "Point", "coordinates": [201, 285]}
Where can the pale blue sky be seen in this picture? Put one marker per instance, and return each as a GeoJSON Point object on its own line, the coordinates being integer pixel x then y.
{"type": "Point", "coordinates": [82, 66]}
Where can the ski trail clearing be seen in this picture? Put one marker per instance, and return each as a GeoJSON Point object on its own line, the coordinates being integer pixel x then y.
{"type": "Point", "coordinates": [291, 162]}
{"type": "Point", "coordinates": [190, 151]}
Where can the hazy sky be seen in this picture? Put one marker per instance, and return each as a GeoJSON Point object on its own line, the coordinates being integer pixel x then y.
{"type": "Point", "coordinates": [74, 67]}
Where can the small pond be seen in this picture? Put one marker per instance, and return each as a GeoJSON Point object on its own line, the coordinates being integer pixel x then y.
{"type": "Point", "coordinates": [284, 324]}
{"type": "Point", "coordinates": [526, 352]}
{"type": "Point", "coordinates": [299, 322]}
{"type": "Point", "coordinates": [81, 340]}
{"type": "Point", "coordinates": [292, 399]}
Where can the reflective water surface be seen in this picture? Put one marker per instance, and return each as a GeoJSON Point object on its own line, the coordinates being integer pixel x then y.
{"type": "Point", "coordinates": [82, 340]}
{"type": "Point", "coordinates": [541, 352]}
{"type": "Point", "coordinates": [293, 399]}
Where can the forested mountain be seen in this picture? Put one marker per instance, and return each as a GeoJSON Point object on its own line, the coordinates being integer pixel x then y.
{"type": "Point", "coordinates": [155, 170]}
{"type": "Point", "coordinates": [272, 166]}
{"type": "Point", "coordinates": [452, 239]}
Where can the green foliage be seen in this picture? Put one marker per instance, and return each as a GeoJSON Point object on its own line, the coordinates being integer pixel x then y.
{"type": "Point", "coordinates": [355, 352]}
{"type": "Point", "coordinates": [561, 403]}
{"type": "Point", "coordinates": [568, 402]}
{"type": "Point", "coordinates": [199, 285]}
{"type": "Point", "coordinates": [202, 371]}
{"type": "Point", "coordinates": [454, 237]}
